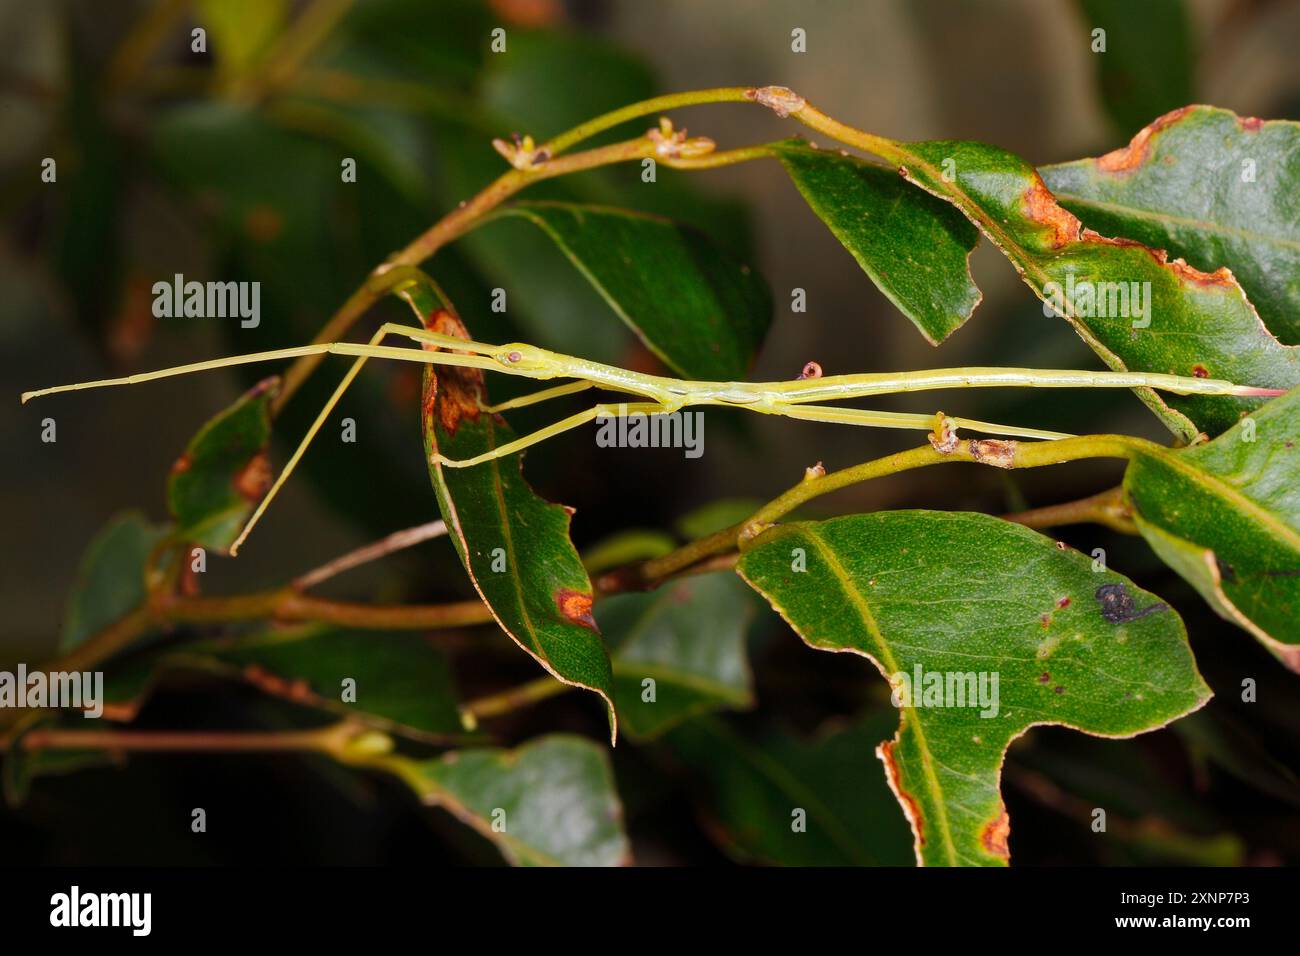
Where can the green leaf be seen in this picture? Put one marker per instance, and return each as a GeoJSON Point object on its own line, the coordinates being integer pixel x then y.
{"type": "Point", "coordinates": [514, 544]}
{"type": "Point", "coordinates": [110, 581]}
{"type": "Point", "coordinates": [549, 803]}
{"type": "Point", "coordinates": [689, 638]}
{"type": "Point", "coordinates": [915, 248]}
{"type": "Point", "coordinates": [1210, 186]}
{"type": "Point", "coordinates": [224, 472]}
{"type": "Point", "coordinates": [1200, 324]}
{"type": "Point", "coordinates": [1146, 67]}
{"type": "Point", "coordinates": [700, 311]}
{"type": "Point", "coordinates": [756, 788]}
{"type": "Point", "coordinates": [952, 594]}
{"type": "Point", "coordinates": [1226, 516]}
{"type": "Point", "coordinates": [402, 684]}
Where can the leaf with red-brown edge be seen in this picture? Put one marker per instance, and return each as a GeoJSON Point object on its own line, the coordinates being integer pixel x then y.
{"type": "Point", "coordinates": [224, 472]}
{"type": "Point", "coordinates": [1133, 305]}
{"type": "Point", "coordinates": [984, 629]}
{"type": "Point", "coordinates": [1217, 189]}
{"type": "Point", "coordinates": [514, 544]}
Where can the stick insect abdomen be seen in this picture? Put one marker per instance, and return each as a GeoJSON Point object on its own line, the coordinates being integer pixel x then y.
{"type": "Point", "coordinates": [837, 387]}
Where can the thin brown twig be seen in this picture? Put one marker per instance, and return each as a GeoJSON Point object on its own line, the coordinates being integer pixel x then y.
{"type": "Point", "coordinates": [397, 541]}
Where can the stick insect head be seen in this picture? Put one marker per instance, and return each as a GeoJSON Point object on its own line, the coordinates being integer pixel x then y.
{"type": "Point", "coordinates": [528, 360]}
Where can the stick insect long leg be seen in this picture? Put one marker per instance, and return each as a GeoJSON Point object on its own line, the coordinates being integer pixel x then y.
{"type": "Point", "coordinates": [544, 395]}
{"type": "Point", "coordinates": [563, 425]}
{"type": "Point", "coordinates": [388, 328]}
{"type": "Point", "coordinates": [323, 348]}
{"type": "Point", "coordinates": [840, 387]}
{"type": "Point", "coordinates": [373, 350]}
{"type": "Point", "coordinates": [860, 416]}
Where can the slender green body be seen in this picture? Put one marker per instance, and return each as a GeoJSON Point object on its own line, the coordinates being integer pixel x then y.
{"type": "Point", "coordinates": [794, 399]}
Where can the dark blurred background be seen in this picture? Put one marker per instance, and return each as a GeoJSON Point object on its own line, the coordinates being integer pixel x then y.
{"type": "Point", "coordinates": [225, 165]}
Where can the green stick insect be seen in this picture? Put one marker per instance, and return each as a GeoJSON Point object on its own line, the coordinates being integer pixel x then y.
{"type": "Point", "coordinates": [799, 398]}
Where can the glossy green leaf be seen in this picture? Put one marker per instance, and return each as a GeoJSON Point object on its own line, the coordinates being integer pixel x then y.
{"type": "Point", "coordinates": [780, 799]}
{"type": "Point", "coordinates": [687, 639]}
{"type": "Point", "coordinates": [695, 307]}
{"type": "Point", "coordinates": [551, 802]}
{"type": "Point", "coordinates": [1226, 516]}
{"type": "Point", "coordinates": [1144, 59]}
{"type": "Point", "coordinates": [1210, 186]}
{"type": "Point", "coordinates": [110, 581]}
{"type": "Point", "coordinates": [514, 544]}
{"type": "Point", "coordinates": [915, 248]}
{"type": "Point", "coordinates": [964, 599]}
{"type": "Point", "coordinates": [1191, 323]}
{"type": "Point", "coordinates": [402, 683]}
{"type": "Point", "coordinates": [215, 485]}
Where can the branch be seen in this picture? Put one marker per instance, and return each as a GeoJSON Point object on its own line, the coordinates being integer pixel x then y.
{"type": "Point", "coordinates": [396, 541]}
{"type": "Point", "coordinates": [451, 226]}
{"type": "Point", "coordinates": [1106, 508]}
{"type": "Point", "coordinates": [703, 554]}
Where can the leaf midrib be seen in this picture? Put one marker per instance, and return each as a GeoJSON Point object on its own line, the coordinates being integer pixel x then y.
{"type": "Point", "coordinates": [887, 658]}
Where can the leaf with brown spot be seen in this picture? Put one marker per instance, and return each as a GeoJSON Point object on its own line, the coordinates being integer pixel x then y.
{"type": "Point", "coordinates": [403, 683]}
{"type": "Point", "coordinates": [966, 597]}
{"type": "Point", "coordinates": [224, 472]}
{"type": "Point", "coordinates": [541, 596]}
{"type": "Point", "coordinates": [1214, 188]}
{"type": "Point", "coordinates": [1195, 318]}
